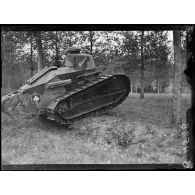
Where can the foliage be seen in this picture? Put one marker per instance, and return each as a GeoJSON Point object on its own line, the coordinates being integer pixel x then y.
{"type": "Point", "coordinates": [108, 49]}
{"type": "Point", "coordinates": [12, 55]}
{"type": "Point", "coordinates": [119, 134]}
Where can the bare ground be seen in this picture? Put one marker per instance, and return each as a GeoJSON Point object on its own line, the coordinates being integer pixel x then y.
{"type": "Point", "coordinates": [137, 131]}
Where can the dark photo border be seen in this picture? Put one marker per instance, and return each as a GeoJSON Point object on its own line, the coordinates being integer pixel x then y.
{"type": "Point", "coordinates": [189, 72]}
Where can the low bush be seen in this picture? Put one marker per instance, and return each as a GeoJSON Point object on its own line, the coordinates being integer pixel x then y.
{"type": "Point", "coordinates": [149, 129]}
{"type": "Point", "coordinates": [119, 134]}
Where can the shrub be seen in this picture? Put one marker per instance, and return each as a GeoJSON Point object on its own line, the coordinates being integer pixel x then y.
{"type": "Point", "coordinates": [119, 134]}
{"type": "Point", "coordinates": [149, 129]}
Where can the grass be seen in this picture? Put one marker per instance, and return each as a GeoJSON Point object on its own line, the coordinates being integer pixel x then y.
{"type": "Point", "coordinates": [137, 131]}
{"type": "Point", "coordinates": [5, 91]}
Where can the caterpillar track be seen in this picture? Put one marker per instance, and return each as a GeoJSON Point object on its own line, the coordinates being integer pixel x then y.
{"type": "Point", "coordinates": [105, 95]}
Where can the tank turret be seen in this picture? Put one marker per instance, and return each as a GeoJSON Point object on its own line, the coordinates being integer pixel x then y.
{"type": "Point", "coordinates": [78, 60]}
{"type": "Point", "coordinates": [74, 50]}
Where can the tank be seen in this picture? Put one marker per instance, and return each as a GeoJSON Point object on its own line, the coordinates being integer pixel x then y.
{"type": "Point", "coordinates": [73, 91]}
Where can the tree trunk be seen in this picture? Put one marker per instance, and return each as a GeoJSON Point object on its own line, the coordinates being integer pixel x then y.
{"type": "Point", "coordinates": [91, 41]}
{"type": "Point", "coordinates": [136, 87]}
{"type": "Point", "coordinates": [142, 66]}
{"type": "Point", "coordinates": [131, 87]}
{"type": "Point", "coordinates": [158, 86]}
{"type": "Point", "coordinates": [57, 51]}
{"type": "Point", "coordinates": [39, 50]}
{"type": "Point", "coordinates": [8, 83]}
{"type": "Point", "coordinates": [176, 101]}
{"type": "Point", "coordinates": [31, 53]}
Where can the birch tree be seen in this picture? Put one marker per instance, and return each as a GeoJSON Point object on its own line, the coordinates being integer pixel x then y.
{"type": "Point", "coordinates": [176, 100]}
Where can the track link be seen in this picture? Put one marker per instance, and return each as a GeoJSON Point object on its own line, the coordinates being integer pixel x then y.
{"type": "Point", "coordinates": [53, 113]}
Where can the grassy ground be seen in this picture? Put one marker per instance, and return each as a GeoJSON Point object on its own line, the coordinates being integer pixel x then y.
{"type": "Point", "coordinates": [137, 131]}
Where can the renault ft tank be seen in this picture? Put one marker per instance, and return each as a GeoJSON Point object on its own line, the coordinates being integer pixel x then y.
{"type": "Point", "coordinates": [70, 92]}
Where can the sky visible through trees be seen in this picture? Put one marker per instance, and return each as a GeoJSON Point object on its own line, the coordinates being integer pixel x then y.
{"type": "Point", "coordinates": [113, 51]}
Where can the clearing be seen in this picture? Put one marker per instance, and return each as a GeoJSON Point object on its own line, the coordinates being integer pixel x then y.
{"type": "Point", "coordinates": [137, 131]}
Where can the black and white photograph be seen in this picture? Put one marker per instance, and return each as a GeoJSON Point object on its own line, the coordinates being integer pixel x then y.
{"type": "Point", "coordinates": [96, 95]}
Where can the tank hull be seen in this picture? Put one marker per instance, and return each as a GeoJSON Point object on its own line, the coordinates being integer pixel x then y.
{"type": "Point", "coordinates": [68, 100]}
{"type": "Point", "coordinates": [68, 93]}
